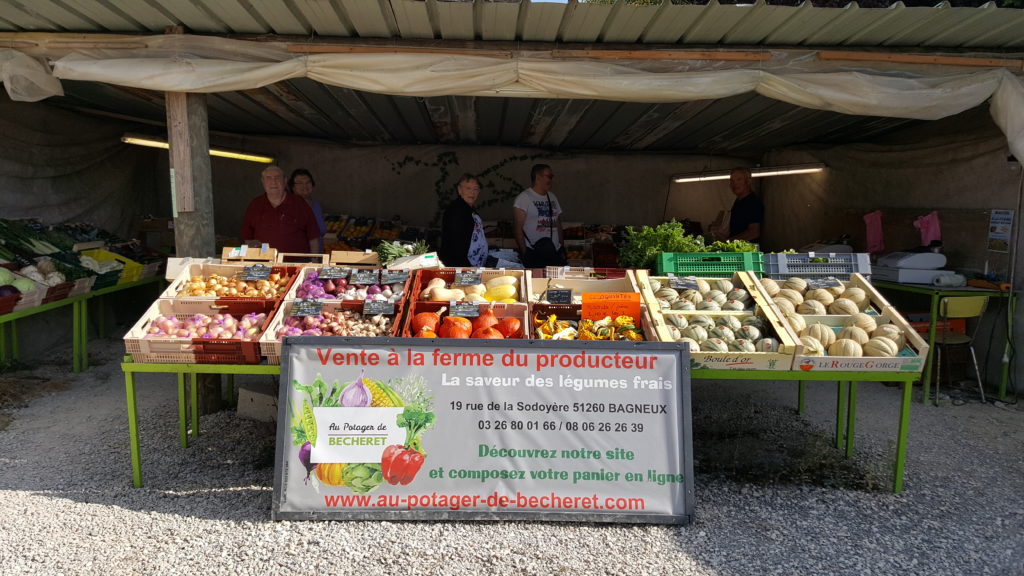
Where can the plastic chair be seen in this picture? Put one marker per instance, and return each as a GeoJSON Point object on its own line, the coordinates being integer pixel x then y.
{"type": "Point", "coordinates": [958, 307]}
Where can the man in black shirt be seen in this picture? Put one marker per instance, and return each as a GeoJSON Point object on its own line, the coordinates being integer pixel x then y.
{"type": "Point", "coordinates": [747, 213]}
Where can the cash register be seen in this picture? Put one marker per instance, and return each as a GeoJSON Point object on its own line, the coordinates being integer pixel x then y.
{"type": "Point", "coordinates": [910, 267]}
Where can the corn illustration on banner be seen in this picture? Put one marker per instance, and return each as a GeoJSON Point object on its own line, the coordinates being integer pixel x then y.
{"type": "Point", "coordinates": [446, 429]}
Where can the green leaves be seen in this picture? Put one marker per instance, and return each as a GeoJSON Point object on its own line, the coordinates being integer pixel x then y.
{"type": "Point", "coordinates": [643, 245]}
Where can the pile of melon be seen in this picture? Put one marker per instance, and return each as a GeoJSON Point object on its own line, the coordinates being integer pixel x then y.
{"type": "Point", "coordinates": [722, 333]}
{"type": "Point", "coordinates": [712, 295]}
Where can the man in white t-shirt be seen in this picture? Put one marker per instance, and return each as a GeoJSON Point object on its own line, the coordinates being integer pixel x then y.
{"type": "Point", "coordinates": [538, 221]}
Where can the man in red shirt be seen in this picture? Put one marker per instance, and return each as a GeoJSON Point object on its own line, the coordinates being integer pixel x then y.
{"type": "Point", "coordinates": [282, 220]}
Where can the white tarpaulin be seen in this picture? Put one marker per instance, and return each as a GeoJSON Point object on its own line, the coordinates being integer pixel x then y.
{"type": "Point", "coordinates": [205, 64]}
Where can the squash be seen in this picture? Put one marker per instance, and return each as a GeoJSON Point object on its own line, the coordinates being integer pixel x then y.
{"type": "Point", "coordinates": [821, 295]}
{"type": "Point", "coordinates": [486, 319]}
{"type": "Point", "coordinates": [330, 473]}
{"type": "Point", "coordinates": [812, 307]}
{"type": "Point", "coordinates": [502, 292]}
{"type": "Point", "coordinates": [771, 287]}
{"type": "Point", "coordinates": [794, 283]}
{"type": "Point", "coordinates": [843, 306]}
{"type": "Point", "coordinates": [854, 333]}
{"type": "Point", "coordinates": [501, 281]}
{"type": "Point", "coordinates": [863, 321]}
{"type": "Point", "coordinates": [845, 347]}
{"type": "Point", "coordinates": [474, 298]}
{"type": "Point", "coordinates": [880, 347]}
{"type": "Point", "coordinates": [474, 289]}
{"type": "Point", "coordinates": [812, 347]}
{"type": "Point", "coordinates": [509, 327]}
{"type": "Point", "coordinates": [429, 320]}
{"type": "Point", "coordinates": [455, 327]}
{"type": "Point", "coordinates": [487, 333]}
{"type": "Point", "coordinates": [436, 283]}
{"type": "Point", "coordinates": [820, 332]}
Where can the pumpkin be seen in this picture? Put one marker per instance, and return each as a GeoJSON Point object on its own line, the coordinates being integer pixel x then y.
{"type": "Point", "coordinates": [891, 332]}
{"type": "Point", "coordinates": [770, 286]}
{"type": "Point", "coordinates": [751, 333]}
{"type": "Point", "coordinates": [767, 345]}
{"type": "Point", "coordinates": [694, 347]}
{"type": "Point", "coordinates": [722, 333]}
{"type": "Point", "coordinates": [717, 296]}
{"type": "Point", "coordinates": [791, 295]}
{"type": "Point", "coordinates": [742, 345]}
{"type": "Point", "coordinates": [858, 295]}
{"type": "Point", "coordinates": [708, 304]}
{"type": "Point", "coordinates": [509, 327]}
{"type": "Point", "coordinates": [730, 321]}
{"type": "Point", "coordinates": [794, 283]}
{"type": "Point", "coordinates": [739, 294]}
{"type": "Point", "coordinates": [702, 320]}
{"type": "Point", "coordinates": [455, 327]}
{"type": "Point", "coordinates": [813, 307]}
{"type": "Point", "coordinates": [429, 320]}
{"type": "Point", "coordinates": [863, 321]}
{"type": "Point", "coordinates": [796, 322]}
{"type": "Point", "coordinates": [694, 332]}
{"type": "Point", "coordinates": [714, 345]}
{"type": "Point", "coordinates": [854, 333]}
{"type": "Point", "coordinates": [425, 332]}
{"type": "Point", "coordinates": [488, 332]}
{"type": "Point", "coordinates": [845, 347]}
{"type": "Point", "coordinates": [880, 347]}
{"type": "Point", "coordinates": [330, 473]}
{"type": "Point", "coordinates": [820, 332]}
{"type": "Point", "coordinates": [486, 319]}
{"type": "Point", "coordinates": [843, 306]}
{"type": "Point", "coordinates": [812, 347]}
{"type": "Point", "coordinates": [785, 306]}
{"type": "Point", "coordinates": [821, 295]}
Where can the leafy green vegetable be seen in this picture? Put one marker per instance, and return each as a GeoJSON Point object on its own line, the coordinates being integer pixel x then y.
{"type": "Point", "coordinates": [362, 478]}
{"type": "Point", "coordinates": [414, 422]}
{"type": "Point", "coordinates": [732, 246]}
{"type": "Point", "coordinates": [388, 252]}
{"type": "Point", "coordinates": [643, 246]}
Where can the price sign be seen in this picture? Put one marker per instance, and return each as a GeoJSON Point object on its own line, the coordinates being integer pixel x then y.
{"type": "Point", "coordinates": [830, 282]}
{"type": "Point", "coordinates": [307, 307]}
{"type": "Point", "coordinates": [560, 296]}
{"type": "Point", "coordinates": [333, 272]}
{"type": "Point", "coordinates": [364, 277]}
{"type": "Point", "coordinates": [464, 309]}
{"type": "Point", "coordinates": [256, 272]}
{"type": "Point", "coordinates": [687, 283]}
{"type": "Point", "coordinates": [374, 307]}
{"type": "Point", "coordinates": [597, 305]}
{"type": "Point", "coordinates": [393, 276]}
{"type": "Point", "coordinates": [467, 278]}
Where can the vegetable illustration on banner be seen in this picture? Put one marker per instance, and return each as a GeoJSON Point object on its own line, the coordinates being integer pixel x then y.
{"type": "Point", "coordinates": [362, 433]}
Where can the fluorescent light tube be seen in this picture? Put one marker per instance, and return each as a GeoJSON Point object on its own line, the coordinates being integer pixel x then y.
{"type": "Point", "coordinates": [157, 143]}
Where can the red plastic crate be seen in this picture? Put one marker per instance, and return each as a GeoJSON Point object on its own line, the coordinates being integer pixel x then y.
{"type": "Point", "coordinates": [517, 310]}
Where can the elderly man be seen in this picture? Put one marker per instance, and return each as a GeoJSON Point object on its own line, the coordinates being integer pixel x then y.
{"type": "Point", "coordinates": [747, 213]}
{"type": "Point", "coordinates": [282, 220]}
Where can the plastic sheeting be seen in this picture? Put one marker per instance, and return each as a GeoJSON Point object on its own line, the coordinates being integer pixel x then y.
{"type": "Point", "coordinates": [205, 64]}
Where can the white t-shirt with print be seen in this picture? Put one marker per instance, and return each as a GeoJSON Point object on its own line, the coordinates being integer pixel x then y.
{"type": "Point", "coordinates": [540, 219]}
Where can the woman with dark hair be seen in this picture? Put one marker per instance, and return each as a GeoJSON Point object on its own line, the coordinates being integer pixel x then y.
{"type": "Point", "coordinates": [301, 184]}
{"type": "Point", "coordinates": [462, 231]}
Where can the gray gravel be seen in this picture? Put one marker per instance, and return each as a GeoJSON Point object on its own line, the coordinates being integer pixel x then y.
{"type": "Point", "coordinates": [772, 496]}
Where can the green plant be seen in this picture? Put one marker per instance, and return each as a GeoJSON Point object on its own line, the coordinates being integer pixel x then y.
{"type": "Point", "coordinates": [643, 245]}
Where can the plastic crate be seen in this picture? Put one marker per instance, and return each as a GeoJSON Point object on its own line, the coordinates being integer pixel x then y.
{"type": "Point", "coordinates": [270, 344]}
{"type": "Point", "coordinates": [26, 299]}
{"type": "Point", "coordinates": [7, 303]}
{"type": "Point", "coordinates": [518, 311]}
{"type": "Point", "coordinates": [132, 271]}
{"type": "Point", "coordinates": [709, 264]}
{"type": "Point", "coordinates": [196, 350]}
{"type": "Point", "coordinates": [839, 265]}
{"type": "Point", "coordinates": [58, 292]}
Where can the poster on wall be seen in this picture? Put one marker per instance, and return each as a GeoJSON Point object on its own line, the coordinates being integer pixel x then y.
{"type": "Point", "coordinates": [1000, 224]}
{"type": "Point", "coordinates": [481, 430]}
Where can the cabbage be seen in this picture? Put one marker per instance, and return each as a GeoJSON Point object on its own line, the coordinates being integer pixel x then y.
{"type": "Point", "coordinates": [6, 276]}
{"type": "Point", "coordinates": [24, 285]}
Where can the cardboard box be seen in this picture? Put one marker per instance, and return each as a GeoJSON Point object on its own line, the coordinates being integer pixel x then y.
{"type": "Point", "coordinates": [251, 254]}
{"type": "Point", "coordinates": [355, 259]}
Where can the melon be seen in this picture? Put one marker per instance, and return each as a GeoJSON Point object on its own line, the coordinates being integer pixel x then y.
{"type": "Point", "coordinates": [739, 294]}
{"type": "Point", "coordinates": [654, 283]}
{"type": "Point", "coordinates": [845, 347]}
{"type": "Point", "coordinates": [837, 291]}
{"type": "Point", "coordinates": [812, 347]}
{"type": "Point", "coordinates": [697, 333]}
{"type": "Point", "coordinates": [683, 304]}
{"type": "Point", "coordinates": [863, 321]}
{"type": "Point", "coordinates": [785, 306]}
{"type": "Point", "coordinates": [742, 345]}
{"type": "Point", "coordinates": [794, 283]}
{"type": "Point", "coordinates": [854, 333]}
{"type": "Point", "coordinates": [694, 347]}
{"type": "Point", "coordinates": [796, 322]}
{"type": "Point", "coordinates": [821, 295]}
{"type": "Point", "coordinates": [667, 294]}
{"type": "Point", "coordinates": [691, 295]}
{"type": "Point", "coordinates": [771, 287]}
{"type": "Point", "coordinates": [716, 295]}
{"type": "Point", "coordinates": [708, 304]}
{"type": "Point", "coordinates": [714, 345]}
{"type": "Point", "coordinates": [752, 320]}
{"type": "Point", "coordinates": [880, 347]}
{"type": "Point", "coordinates": [820, 332]}
{"type": "Point", "coordinates": [702, 320]}
{"type": "Point", "coordinates": [791, 295]}
{"type": "Point", "coordinates": [733, 305]}
{"type": "Point", "coordinates": [767, 345]}
{"type": "Point", "coordinates": [890, 331]}
{"type": "Point", "coordinates": [722, 285]}
{"type": "Point", "coordinates": [843, 306]}
{"type": "Point", "coordinates": [702, 285]}
{"type": "Point", "coordinates": [677, 320]}
{"type": "Point", "coordinates": [858, 295]}
{"type": "Point", "coordinates": [730, 321]}
{"type": "Point", "coordinates": [813, 307]}
{"type": "Point", "coordinates": [752, 333]}
{"type": "Point", "coordinates": [722, 333]}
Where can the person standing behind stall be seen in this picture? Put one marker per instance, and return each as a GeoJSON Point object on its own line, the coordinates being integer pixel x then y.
{"type": "Point", "coordinates": [284, 221]}
{"type": "Point", "coordinates": [538, 221]}
{"type": "Point", "coordinates": [747, 213]}
{"type": "Point", "coordinates": [462, 231]}
{"type": "Point", "coordinates": [301, 183]}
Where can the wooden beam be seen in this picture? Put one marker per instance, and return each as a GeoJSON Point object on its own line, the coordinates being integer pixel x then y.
{"type": "Point", "coordinates": [920, 59]}
{"type": "Point", "coordinates": [663, 55]}
{"type": "Point", "coordinates": [336, 49]}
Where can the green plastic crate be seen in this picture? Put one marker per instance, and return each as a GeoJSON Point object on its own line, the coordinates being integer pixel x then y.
{"type": "Point", "coordinates": [709, 264]}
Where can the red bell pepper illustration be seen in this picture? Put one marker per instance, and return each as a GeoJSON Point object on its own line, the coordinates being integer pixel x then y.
{"type": "Point", "coordinates": [400, 462]}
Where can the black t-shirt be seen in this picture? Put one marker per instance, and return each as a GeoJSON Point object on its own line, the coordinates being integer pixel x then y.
{"type": "Point", "coordinates": [745, 211]}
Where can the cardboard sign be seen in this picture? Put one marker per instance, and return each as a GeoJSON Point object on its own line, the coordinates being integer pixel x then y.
{"type": "Point", "coordinates": [597, 305]}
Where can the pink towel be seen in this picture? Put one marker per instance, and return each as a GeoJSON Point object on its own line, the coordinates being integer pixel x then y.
{"type": "Point", "coordinates": [929, 227]}
{"type": "Point", "coordinates": [873, 223]}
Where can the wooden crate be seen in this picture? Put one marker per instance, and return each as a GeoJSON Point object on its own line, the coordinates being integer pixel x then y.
{"type": "Point", "coordinates": [580, 285]}
{"type": "Point", "coordinates": [911, 358]}
{"type": "Point", "coordinates": [234, 254]}
{"type": "Point", "coordinates": [423, 277]}
{"type": "Point", "coordinates": [270, 344]}
{"type": "Point", "coordinates": [196, 350]}
{"type": "Point", "coordinates": [355, 259]}
{"type": "Point", "coordinates": [648, 326]}
{"type": "Point", "coordinates": [305, 270]}
{"type": "Point", "coordinates": [186, 273]}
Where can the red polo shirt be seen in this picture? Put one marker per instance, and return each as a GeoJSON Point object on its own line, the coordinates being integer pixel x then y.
{"type": "Point", "coordinates": [289, 227]}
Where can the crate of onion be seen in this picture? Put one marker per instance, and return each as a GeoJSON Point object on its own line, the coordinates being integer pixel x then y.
{"type": "Point", "coordinates": [728, 323]}
{"type": "Point", "coordinates": [189, 332]}
{"type": "Point", "coordinates": [845, 325]}
{"type": "Point", "coordinates": [206, 283]}
{"type": "Point", "coordinates": [309, 284]}
{"type": "Point", "coordinates": [343, 318]}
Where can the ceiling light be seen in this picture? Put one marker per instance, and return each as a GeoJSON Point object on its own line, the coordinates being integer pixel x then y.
{"type": "Point", "coordinates": [153, 142]}
{"type": "Point", "coordinates": [755, 172]}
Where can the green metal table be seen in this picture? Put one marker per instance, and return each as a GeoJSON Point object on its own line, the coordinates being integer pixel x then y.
{"type": "Point", "coordinates": [79, 323]}
{"type": "Point", "coordinates": [846, 400]}
{"type": "Point", "coordinates": [937, 293]}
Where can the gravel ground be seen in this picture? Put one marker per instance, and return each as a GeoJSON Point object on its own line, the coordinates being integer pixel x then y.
{"type": "Point", "coordinates": [773, 497]}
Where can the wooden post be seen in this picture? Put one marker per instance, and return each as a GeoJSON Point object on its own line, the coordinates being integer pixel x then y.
{"type": "Point", "coordinates": [192, 186]}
